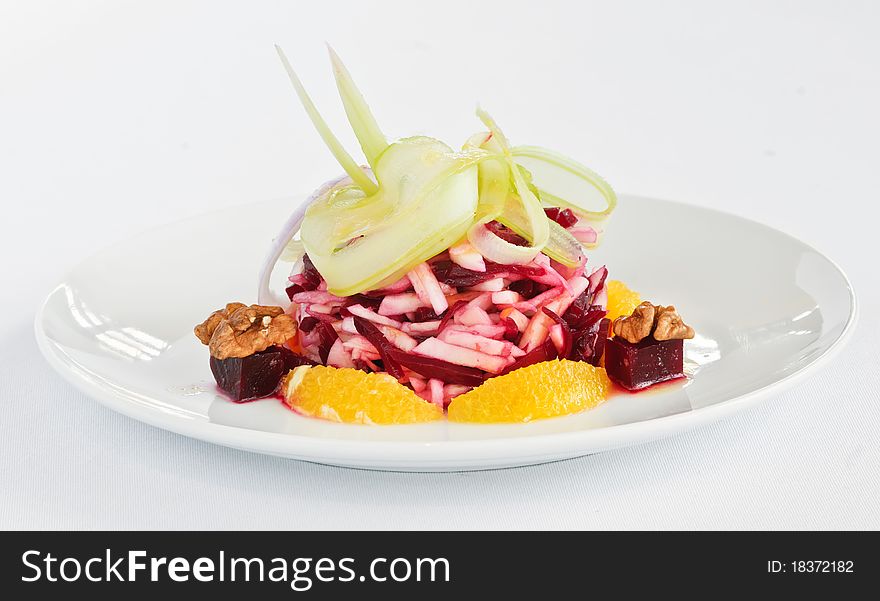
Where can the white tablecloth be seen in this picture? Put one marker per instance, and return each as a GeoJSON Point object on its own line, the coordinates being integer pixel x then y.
{"type": "Point", "coordinates": [115, 116]}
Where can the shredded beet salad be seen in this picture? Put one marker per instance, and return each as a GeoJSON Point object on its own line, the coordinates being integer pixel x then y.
{"type": "Point", "coordinates": [458, 318]}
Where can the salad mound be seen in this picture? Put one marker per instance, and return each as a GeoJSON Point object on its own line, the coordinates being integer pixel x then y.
{"type": "Point", "coordinates": [440, 268]}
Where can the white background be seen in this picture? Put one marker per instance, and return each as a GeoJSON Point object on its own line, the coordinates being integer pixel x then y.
{"type": "Point", "coordinates": [116, 116]}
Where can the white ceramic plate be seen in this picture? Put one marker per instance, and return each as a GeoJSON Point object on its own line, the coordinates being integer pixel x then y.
{"type": "Point", "coordinates": [767, 309]}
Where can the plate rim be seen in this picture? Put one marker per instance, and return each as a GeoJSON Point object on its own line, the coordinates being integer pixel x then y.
{"type": "Point", "coordinates": [433, 454]}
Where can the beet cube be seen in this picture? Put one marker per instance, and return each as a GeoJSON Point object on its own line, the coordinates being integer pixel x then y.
{"type": "Point", "coordinates": [256, 376]}
{"type": "Point", "coordinates": [637, 366]}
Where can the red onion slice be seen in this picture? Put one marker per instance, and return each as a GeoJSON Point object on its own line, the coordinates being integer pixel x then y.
{"type": "Point", "coordinates": [266, 296]}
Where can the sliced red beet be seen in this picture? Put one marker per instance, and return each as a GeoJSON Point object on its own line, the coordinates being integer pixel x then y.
{"type": "Point", "coordinates": [327, 336]}
{"type": "Point", "coordinates": [590, 344]}
{"type": "Point", "coordinates": [527, 288]}
{"type": "Point", "coordinates": [545, 352]}
{"type": "Point", "coordinates": [529, 271]}
{"type": "Point", "coordinates": [424, 314]}
{"type": "Point", "coordinates": [580, 304]}
{"type": "Point", "coordinates": [581, 321]}
{"type": "Point", "coordinates": [312, 279]}
{"type": "Point", "coordinates": [597, 280]}
{"type": "Point", "coordinates": [457, 276]}
{"type": "Point", "coordinates": [511, 331]}
{"type": "Point", "coordinates": [582, 313]}
{"type": "Point", "coordinates": [437, 368]}
{"type": "Point", "coordinates": [368, 330]}
{"type": "Point", "coordinates": [368, 301]}
{"type": "Point", "coordinates": [506, 234]}
{"type": "Point", "coordinates": [564, 217]}
{"type": "Point", "coordinates": [308, 324]}
{"type": "Point", "coordinates": [292, 290]}
{"type": "Point", "coordinates": [450, 312]}
{"type": "Point", "coordinates": [601, 340]}
{"type": "Point", "coordinates": [323, 317]}
{"type": "Point", "coordinates": [566, 332]}
{"type": "Point", "coordinates": [307, 280]}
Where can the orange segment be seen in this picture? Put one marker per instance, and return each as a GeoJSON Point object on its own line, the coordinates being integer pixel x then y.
{"type": "Point", "coordinates": [546, 389]}
{"type": "Point", "coordinates": [621, 300]}
{"type": "Point", "coordinates": [355, 397]}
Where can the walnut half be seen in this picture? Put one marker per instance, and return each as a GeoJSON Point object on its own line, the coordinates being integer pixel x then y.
{"type": "Point", "coordinates": [638, 326]}
{"type": "Point", "coordinates": [669, 325]}
{"type": "Point", "coordinates": [239, 330]}
{"type": "Point", "coordinates": [663, 322]}
{"type": "Point", "coordinates": [205, 330]}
